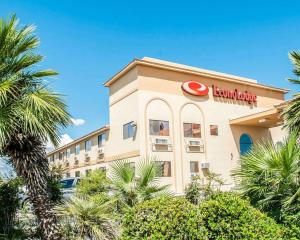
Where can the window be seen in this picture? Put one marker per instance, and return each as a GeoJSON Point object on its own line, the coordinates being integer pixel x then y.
{"type": "Point", "coordinates": [77, 174]}
{"type": "Point", "coordinates": [68, 152]}
{"type": "Point", "coordinates": [88, 145]}
{"type": "Point", "coordinates": [192, 130]}
{"type": "Point", "coordinates": [128, 130]}
{"type": "Point", "coordinates": [159, 128]}
{"type": "Point", "coordinates": [51, 158]}
{"type": "Point", "coordinates": [68, 174]}
{"type": "Point", "coordinates": [194, 167]}
{"type": "Point", "coordinates": [245, 143]}
{"type": "Point", "coordinates": [101, 139]}
{"type": "Point", "coordinates": [60, 156]}
{"type": "Point", "coordinates": [87, 172]}
{"type": "Point", "coordinates": [164, 169]}
{"type": "Point", "coordinates": [214, 130]}
{"type": "Point", "coordinates": [77, 149]}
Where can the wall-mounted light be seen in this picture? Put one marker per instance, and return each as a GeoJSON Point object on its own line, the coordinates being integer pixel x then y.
{"type": "Point", "coordinates": [262, 120]}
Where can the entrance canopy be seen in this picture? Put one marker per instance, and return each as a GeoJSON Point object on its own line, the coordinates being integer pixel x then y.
{"type": "Point", "coordinates": [269, 119]}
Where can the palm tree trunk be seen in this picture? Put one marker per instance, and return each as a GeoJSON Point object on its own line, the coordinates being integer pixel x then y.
{"type": "Point", "coordinates": [27, 155]}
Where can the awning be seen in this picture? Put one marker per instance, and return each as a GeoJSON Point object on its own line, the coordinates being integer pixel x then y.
{"type": "Point", "coordinates": [268, 119]}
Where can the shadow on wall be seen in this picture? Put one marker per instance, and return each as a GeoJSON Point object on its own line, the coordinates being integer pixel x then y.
{"type": "Point", "coordinates": [195, 98]}
{"type": "Point", "coordinates": [232, 101]}
{"type": "Point", "coordinates": [257, 134]}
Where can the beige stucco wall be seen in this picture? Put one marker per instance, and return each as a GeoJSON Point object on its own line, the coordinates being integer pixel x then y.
{"type": "Point", "coordinates": [146, 92]}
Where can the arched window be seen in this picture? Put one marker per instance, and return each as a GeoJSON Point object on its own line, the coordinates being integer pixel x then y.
{"type": "Point", "coordinates": [245, 143]}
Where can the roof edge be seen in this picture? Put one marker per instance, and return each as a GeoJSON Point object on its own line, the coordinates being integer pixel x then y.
{"type": "Point", "coordinates": [200, 72]}
{"type": "Point", "coordinates": [100, 130]}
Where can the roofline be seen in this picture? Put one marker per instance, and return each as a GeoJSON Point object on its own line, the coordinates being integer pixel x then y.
{"type": "Point", "coordinates": [100, 130]}
{"type": "Point", "coordinates": [258, 114]}
{"type": "Point", "coordinates": [200, 72]}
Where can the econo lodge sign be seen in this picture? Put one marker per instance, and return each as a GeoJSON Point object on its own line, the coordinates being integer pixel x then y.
{"type": "Point", "coordinates": [199, 89]}
{"type": "Point", "coordinates": [195, 88]}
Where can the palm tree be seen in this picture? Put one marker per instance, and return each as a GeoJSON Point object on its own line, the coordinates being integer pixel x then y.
{"type": "Point", "coordinates": [135, 189]}
{"type": "Point", "coordinates": [270, 176]}
{"type": "Point", "coordinates": [87, 218]}
{"type": "Point", "coordinates": [29, 115]}
{"type": "Point", "coordinates": [291, 113]}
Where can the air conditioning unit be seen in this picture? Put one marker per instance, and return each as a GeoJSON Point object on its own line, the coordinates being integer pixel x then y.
{"type": "Point", "coordinates": [194, 143]}
{"type": "Point", "coordinates": [100, 156]}
{"type": "Point", "coordinates": [194, 174]}
{"type": "Point", "coordinates": [161, 141]}
{"type": "Point", "coordinates": [205, 165]}
{"type": "Point", "coordinates": [100, 151]}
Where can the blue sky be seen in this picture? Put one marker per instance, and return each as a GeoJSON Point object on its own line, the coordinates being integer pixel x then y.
{"type": "Point", "coordinates": [88, 41]}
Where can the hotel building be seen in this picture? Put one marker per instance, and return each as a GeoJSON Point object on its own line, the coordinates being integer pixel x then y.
{"type": "Point", "coordinates": [193, 120]}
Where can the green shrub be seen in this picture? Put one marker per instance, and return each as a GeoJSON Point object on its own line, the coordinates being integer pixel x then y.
{"type": "Point", "coordinates": [9, 203]}
{"type": "Point", "coordinates": [96, 182]}
{"type": "Point", "coordinates": [200, 188]}
{"type": "Point", "coordinates": [163, 218]}
{"type": "Point", "coordinates": [227, 216]}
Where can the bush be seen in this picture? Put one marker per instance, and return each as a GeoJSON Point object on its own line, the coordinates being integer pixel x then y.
{"type": "Point", "coordinates": [227, 216]}
{"type": "Point", "coordinates": [96, 182]}
{"type": "Point", "coordinates": [163, 218]}
{"type": "Point", "coordinates": [9, 203]}
{"type": "Point", "coordinates": [200, 188]}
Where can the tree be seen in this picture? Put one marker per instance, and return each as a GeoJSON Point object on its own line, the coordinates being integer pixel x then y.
{"type": "Point", "coordinates": [270, 176]}
{"type": "Point", "coordinates": [86, 218]}
{"type": "Point", "coordinates": [291, 113]}
{"type": "Point", "coordinates": [30, 114]}
{"type": "Point", "coordinates": [134, 189]}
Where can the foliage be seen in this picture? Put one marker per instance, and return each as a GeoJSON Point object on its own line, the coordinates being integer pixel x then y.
{"type": "Point", "coordinates": [30, 114]}
{"type": "Point", "coordinates": [270, 176]}
{"type": "Point", "coordinates": [88, 218]}
{"type": "Point", "coordinates": [163, 218]}
{"type": "Point", "coordinates": [227, 216]}
{"type": "Point", "coordinates": [201, 188]}
{"type": "Point", "coordinates": [54, 190]}
{"type": "Point", "coordinates": [133, 189]}
{"type": "Point", "coordinates": [291, 113]}
{"type": "Point", "coordinates": [96, 182]}
{"type": "Point", "coordinates": [9, 203]}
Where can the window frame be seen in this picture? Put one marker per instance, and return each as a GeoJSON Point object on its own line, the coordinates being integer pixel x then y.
{"type": "Point", "coordinates": [192, 128]}
{"type": "Point", "coordinates": [103, 139]}
{"type": "Point", "coordinates": [77, 153]}
{"type": "Point", "coordinates": [129, 131]}
{"type": "Point", "coordinates": [151, 132]}
{"type": "Point", "coordinates": [211, 129]}
{"type": "Point", "coordinates": [68, 152]}
{"type": "Point", "coordinates": [160, 165]}
{"type": "Point", "coordinates": [90, 145]}
{"type": "Point", "coordinates": [197, 167]}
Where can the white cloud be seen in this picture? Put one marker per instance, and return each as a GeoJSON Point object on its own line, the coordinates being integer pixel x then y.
{"type": "Point", "coordinates": [78, 121]}
{"type": "Point", "coordinates": [64, 139]}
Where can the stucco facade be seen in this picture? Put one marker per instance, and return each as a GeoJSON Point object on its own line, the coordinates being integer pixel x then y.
{"type": "Point", "coordinates": [192, 130]}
